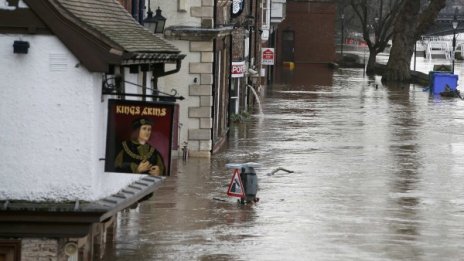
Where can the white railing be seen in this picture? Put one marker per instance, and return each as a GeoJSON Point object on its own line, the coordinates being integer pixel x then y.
{"type": "Point", "coordinates": [441, 46]}
{"type": "Point", "coordinates": [437, 48]}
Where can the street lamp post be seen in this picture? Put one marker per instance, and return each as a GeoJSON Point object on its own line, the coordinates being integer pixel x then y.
{"type": "Point", "coordinates": [343, 38]}
{"type": "Point", "coordinates": [415, 53]}
{"type": "Point", "coordinates": [455, 26]}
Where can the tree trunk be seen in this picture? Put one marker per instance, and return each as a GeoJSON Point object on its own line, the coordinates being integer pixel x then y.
{"type": "Point", "coordinates": [399, 62]}
{"type": "Point", "coordinates": [370, 69]}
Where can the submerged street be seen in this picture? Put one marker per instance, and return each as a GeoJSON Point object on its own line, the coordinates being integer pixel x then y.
{"type": "Point", "coordinates": [378, 175]}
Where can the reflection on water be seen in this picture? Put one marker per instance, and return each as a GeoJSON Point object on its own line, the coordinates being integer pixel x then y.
{"type": "Point", "coordinates": [378, 175]}
{"type": "Point", "coordinates": [305, 74]}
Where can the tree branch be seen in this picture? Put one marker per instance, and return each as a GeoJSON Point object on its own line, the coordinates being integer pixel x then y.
{"type": "Point", "coordinates": [428, 16]}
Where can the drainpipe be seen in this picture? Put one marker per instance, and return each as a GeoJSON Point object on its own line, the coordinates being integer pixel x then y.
{"type": "Point", "coordinates": [230, 80]}
{"type": "Point", "coordinates": [158, 71]}
{"type": "Point", "coordinates": [250, 11]}
{"type": "Point", "coordinates": [256, 36]}
{"type": "Point", "coordinates": [144, 84]}
{"type": "Point", "coordinates": [214, 78]}
{"type": "Point", "coordinates": [250, 51]}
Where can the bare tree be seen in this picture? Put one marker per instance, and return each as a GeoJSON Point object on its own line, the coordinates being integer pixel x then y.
{"type": "Point", "coordinates": [412, 22]}
{"type": "Point", "coordinates": [376, 18]}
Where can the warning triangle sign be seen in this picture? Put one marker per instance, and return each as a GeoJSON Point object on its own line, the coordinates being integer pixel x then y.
{"type": "Point", "coordinates": [236, 187]}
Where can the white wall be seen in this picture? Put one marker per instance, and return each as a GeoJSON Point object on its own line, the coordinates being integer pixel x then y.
{"type": "Point", "coordinates": [174, 16]}
{"type": "Point", "coordinates": [52, 125]}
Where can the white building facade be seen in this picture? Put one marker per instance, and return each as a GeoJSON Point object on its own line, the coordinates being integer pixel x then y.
{"type": "Point", "coordinates": [53, 125]}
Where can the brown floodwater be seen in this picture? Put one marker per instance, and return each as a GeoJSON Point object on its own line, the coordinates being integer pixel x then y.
{"type": "Point", "coordinates": [378, 175]}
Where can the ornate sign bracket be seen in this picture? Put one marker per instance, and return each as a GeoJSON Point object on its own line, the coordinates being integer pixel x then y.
{"type": "Point", "coordinates": [110, 88]}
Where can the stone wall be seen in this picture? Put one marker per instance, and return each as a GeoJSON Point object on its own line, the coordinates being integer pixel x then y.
{"type": "Point", "coordinates": [33, 249]}
{"type": "Point", "coordinates": [90, 248]}
{"type": "Point", "coordinates": [200, 138]}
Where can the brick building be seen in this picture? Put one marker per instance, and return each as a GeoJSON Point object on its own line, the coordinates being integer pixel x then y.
{"type": "Point", "coordinates": [307, 35]}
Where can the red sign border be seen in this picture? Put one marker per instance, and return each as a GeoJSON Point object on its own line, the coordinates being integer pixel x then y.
{"type": "Point", "coordinates": [231, 194]}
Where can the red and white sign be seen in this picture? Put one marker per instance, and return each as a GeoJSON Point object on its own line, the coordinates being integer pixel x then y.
{"type": "Point", "coordinates": [236, 187]}
{"type": "Point", "coordinates": [238, 69]}
{"type": "Point", "coordinates": [267, 56]}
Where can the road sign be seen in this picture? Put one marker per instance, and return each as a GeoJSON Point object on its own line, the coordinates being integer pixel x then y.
{"type": "Point", "coordinates": [268, 56]}
{"type": "Point", "coordinates": [236, 187]}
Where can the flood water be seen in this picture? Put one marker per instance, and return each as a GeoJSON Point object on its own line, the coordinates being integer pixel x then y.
{"type": "Point", "coordinates": [378, 175]}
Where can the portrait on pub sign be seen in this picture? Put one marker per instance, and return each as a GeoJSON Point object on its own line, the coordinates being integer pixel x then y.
{"type": "Point", "coordinates": [139, 137]}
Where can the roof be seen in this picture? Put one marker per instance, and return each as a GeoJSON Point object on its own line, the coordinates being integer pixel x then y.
{"type": "Point", "coordinates": [99, 33]}
{"type": "Point", "coordinates": [38, 219]}
{"type": "Point", "coordinates": [111, 20]}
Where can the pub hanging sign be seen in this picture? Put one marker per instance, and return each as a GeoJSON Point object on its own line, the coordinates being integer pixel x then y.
{"type": "Point", "coordinates": [139, 137]}
{"type": "Point", "coordinates": [237, 7]}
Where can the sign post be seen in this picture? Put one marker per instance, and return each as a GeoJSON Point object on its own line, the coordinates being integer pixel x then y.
{"type": "Point", "coordinates": [244, 183]}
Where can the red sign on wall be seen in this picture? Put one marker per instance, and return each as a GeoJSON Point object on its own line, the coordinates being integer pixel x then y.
{"type": "Point", "coordinates": [238, 69]}
{"type": "Point", "coordinates": [267, 57]}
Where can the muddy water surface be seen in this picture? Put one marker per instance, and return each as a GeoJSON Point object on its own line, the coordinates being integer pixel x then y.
{"type": "Point", "coordinates": [378, 175]}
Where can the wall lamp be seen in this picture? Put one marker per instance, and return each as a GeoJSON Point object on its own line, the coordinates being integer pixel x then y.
{"type": "Point", "coordinates": [20, 47]}
{"type": "Point", "coordinates": [154, 23]}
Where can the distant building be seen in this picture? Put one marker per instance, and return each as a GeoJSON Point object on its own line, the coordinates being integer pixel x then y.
{"type": "Point", "coordinates": [307, 35]}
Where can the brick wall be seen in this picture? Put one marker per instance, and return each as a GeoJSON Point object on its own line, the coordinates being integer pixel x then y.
{"type": "Point", "coordinates": [33, 249]}
{"type": "Point", "coordinates": [314, 27]}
